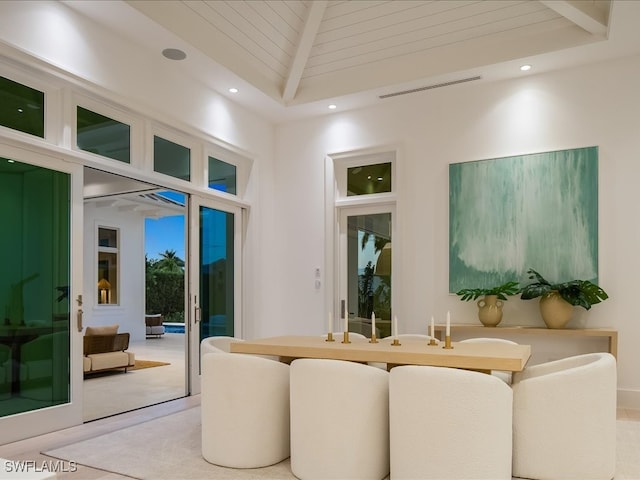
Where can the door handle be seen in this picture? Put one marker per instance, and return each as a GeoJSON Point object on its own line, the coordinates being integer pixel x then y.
{"type": "Point", "coordinates": [196, 309]}
{"type": "Point", "coordinates": [80, 313]}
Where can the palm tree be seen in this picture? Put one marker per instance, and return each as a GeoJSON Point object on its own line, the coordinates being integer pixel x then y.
{"type": "Point", "coordinates": [170, 262]}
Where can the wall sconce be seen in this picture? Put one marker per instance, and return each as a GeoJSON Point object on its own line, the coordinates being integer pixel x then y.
{"type": "Point", "coordinates": [104, 287]}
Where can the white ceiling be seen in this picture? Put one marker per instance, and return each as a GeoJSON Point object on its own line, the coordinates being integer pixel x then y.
{"type": "Point", "coordinates": [292, 58]}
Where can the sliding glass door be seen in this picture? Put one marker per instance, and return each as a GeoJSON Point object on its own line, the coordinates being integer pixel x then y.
{"type": "Point", "coordinates": [215, 239]}
{"type": "Point", "coordinates": [40, 294]}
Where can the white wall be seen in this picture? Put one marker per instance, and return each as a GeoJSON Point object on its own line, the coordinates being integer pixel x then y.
{"type": "Point", "coordinates": [594, 105]}
{"type": "Point", "coordinates": [130, 310]}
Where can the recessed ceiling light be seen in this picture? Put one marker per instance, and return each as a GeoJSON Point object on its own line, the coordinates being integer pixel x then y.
{"type": "Point", "coordinates": [332, 107]}
{"type": "Point", "coordinates": [233, 90]}
{"type": "Point", "coordinates": [380, 179]}
{"type": "Point", "coordinates": [174, 54]}
{"type": "Point", "coordinates": [524, 68]}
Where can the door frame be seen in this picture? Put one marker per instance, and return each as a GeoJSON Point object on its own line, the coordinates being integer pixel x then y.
{"type": "Point", "coordinates": [49, 419]}
{"type": "Point", "coordinates": [341, 259]}
{"type": "Point", "coordinates": [193, 211]}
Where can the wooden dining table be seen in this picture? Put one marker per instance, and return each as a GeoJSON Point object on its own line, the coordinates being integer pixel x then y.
{"type": "Point", "coordinates": [470, 356]}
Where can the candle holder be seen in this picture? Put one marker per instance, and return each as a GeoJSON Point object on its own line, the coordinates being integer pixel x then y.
{"type": "Point", "coordinates": [330, 337]}
{"type": "Point", "coordinates": [395, 343]}
{"type": "Point", "coordinates": [345, 339]}
{"type": "Point", "coordinates": [447, 342]}
{"type": "Point", "coordinates": [373, 338]}
{"type": "Point", "coordinates": [432, 342]}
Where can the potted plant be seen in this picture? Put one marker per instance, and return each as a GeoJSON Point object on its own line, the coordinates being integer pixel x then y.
{"type": "Point", "coordinates": [558, 299]}
{"type": "Point", "coordinates": [490, 306]}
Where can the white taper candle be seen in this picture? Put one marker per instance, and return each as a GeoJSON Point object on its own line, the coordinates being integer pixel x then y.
{"type": "Point", "coordinates": [448, 330]}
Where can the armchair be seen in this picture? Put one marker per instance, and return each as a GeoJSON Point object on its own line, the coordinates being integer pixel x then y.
{"type": "Point", "coordinates": [154, 325]}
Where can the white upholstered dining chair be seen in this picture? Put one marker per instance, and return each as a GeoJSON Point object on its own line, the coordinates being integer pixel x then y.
{"type": "Point", "coordinates": [403, 336]}
{"type": "Point", "coordinates": [339, 420]}
{"type": "Point", "coordinates": [564, 419]}
{"type": "Point", "coordinates": [447, 423]}
{"type": "Point", "coordinates": [217, 344]}
{"type": "Point", "coordinates": [245, 410]}
{"type": "Point", "coordinates": [502, 375]}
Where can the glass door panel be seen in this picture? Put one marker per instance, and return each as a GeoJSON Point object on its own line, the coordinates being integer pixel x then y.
{"type": "Point", "coordinates": [216, 273]}
{"type": "Point", "coordinates": [365, 259]}
{"type": "Point", "coordinates": [37, 327]}
{"type": "Point", "coordinates": [215, 280]}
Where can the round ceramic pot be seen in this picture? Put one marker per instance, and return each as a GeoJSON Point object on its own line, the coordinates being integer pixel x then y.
{"type": "Point", "coordinates": [490, 310]}
{"type": "Point", "coordinates": [555, 310]}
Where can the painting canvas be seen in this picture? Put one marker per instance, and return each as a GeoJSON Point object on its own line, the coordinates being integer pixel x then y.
{"type": "Point", "coordinates": [508, 215]}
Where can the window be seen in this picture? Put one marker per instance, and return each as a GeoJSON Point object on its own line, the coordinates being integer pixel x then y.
{"type": "Point", "coordinates": [171, 159]}
{"type": "Point", "coordinates": [222, 176]}
{"type": "Point", "coordinates": [21, 107]}
{"type": "Point", "coordinates": [368, 179]}
{"type": "Point", "coordinates": [108, 249]}
{"type": "Point", "coordinates": [103, 136]}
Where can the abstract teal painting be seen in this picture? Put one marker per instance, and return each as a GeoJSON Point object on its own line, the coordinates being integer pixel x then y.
{"type": "Point", "coordinates": [538, 211]}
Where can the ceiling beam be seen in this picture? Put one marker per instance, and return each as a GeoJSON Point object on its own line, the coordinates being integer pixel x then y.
{"type": "Point", "coordinates": [305, 43]}
{"type": "Point", "coordinates": [583, 14]}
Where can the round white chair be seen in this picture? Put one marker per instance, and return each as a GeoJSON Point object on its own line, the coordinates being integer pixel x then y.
{"type": "Point", "coordinates": [502, 375]}
{"type": "Point", "coordinates": [564, 419]}
{"type": "Point", "coordinates": [339, 420]}
{"type": "Point", "coordinates": [245, 410]}
{"type": "Point", "coordinates": [217, 344]}
{"type": "Point", "coordinates": [447, 423]}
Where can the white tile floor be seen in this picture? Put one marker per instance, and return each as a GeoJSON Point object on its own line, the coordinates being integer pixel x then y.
{"type": "Point", "coordinates": [117, 392]}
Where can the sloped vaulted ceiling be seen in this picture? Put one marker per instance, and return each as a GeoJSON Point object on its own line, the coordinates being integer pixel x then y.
{"type": "Point", "coordinates": [303, 51]}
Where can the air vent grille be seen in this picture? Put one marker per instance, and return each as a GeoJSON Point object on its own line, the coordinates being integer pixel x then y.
{"type": "Point", "coordinates": [429, 87]}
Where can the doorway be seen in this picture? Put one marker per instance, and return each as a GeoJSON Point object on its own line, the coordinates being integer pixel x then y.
{"type": "Point", "coordinates": [147, 224]}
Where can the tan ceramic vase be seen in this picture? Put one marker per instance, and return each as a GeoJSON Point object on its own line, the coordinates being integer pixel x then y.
{"type": "Point", "coordinates": [555, 310]}
{"type": "Point", "coordinates": [490, 310]}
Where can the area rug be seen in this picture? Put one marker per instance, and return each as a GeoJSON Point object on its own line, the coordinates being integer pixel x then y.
{"type": "Point", "coordinates": [140, 364]}
{"type": "Point", "coordinates": [164, 448]}
{"type": "Point", "coordinates": [170, 448]}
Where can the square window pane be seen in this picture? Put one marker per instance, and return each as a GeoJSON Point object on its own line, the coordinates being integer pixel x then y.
{"type": "Point", "coordinates": [368, 179]}
{"type": "Point", "coordinates": [21, 107]}
{"type": "Point", "coordinates": [171, 159]}
{"type": "Point", "coordinates": [222, 176]}
{"type": "Point", "coordinates": [107, 237]}
{"type": "Point", "coordinates": [103, 136]}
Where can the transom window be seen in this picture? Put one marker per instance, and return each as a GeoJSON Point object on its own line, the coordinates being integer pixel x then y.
{"type": "Point", "coordinates": [21, 107]}
{"type": "Point", "coordinates": [171, 158]}
{"type": "Point", "coordinates": [368, 179]}
{"type": "Point", "coordinates": [103, 135]}
{"type": "Point", "coordinates": [222, 176]}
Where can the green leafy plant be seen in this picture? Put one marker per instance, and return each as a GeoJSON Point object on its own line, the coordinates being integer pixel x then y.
{"type": "Point", "coordinates": [581, 293]}
{"type": "Point", "coordinates": [501, 291]}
